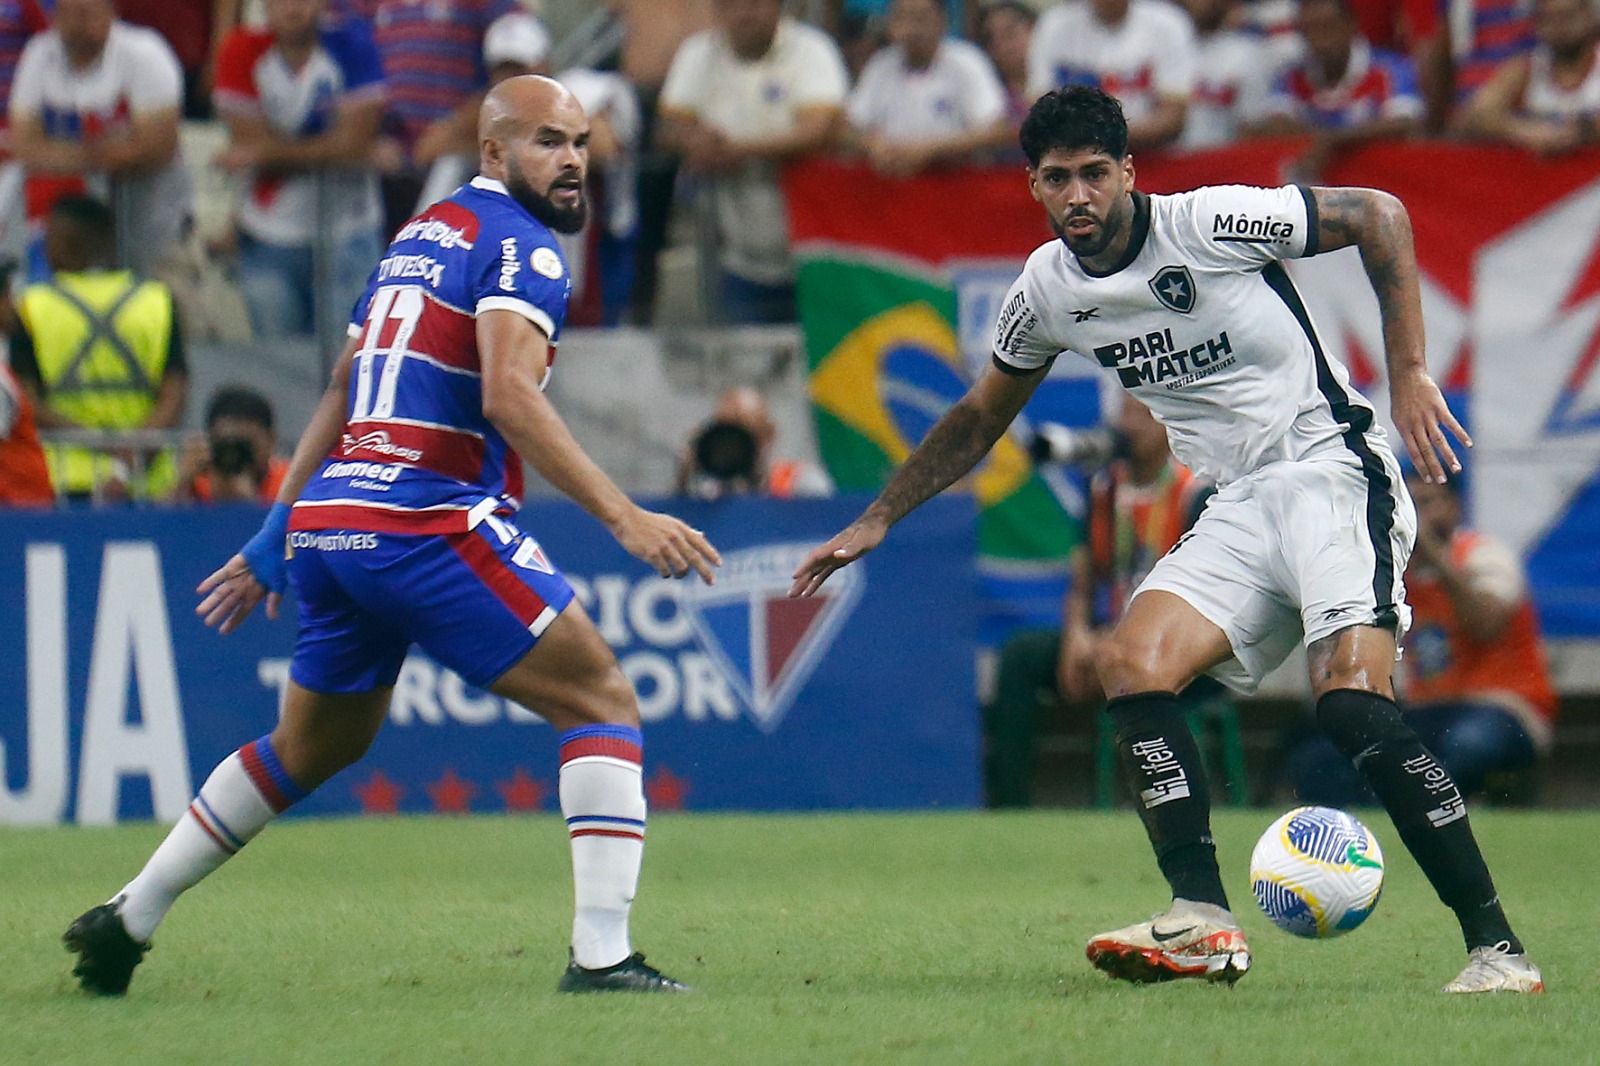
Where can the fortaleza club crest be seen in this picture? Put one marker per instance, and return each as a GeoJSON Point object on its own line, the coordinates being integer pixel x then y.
{"type": "Point", "coordinates": [765, 643]}
{"type": "Point", "coordinates": [1175, 288]}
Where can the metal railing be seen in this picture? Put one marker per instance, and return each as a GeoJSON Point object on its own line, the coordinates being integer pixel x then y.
{"type": "Point", "coordinates": [130, 453]}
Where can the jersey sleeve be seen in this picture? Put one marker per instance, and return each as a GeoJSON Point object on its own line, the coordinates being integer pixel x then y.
{"type": "Point", "coordinates": [522, 273]}
{"type": "Point", "coordinates": [862, 106]}
{"type": "Point", "coordinates": [1178, 70]}
{"type": "Point", "coordinates": [1242, 225]}
{"type": "Point", "coordinates": [1020, 345]}
{"type": "Point", "coordinates": [353, 49]}
{"type": "Point", "coordinates": [985, 97]}
{"type": "Point", "coordinates": [234, 89]}
{"type": "Point", "coordinates": [820, 79]}
{"type": "Point", "coordinates": [27, 87]}
{"type": "Point", "coordinates": [686, 87]}
{"type": "Point", "coordinates": [157, 77]}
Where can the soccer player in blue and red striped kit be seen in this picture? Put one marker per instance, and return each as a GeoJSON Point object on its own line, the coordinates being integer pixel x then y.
{"type": "Point", "coordinates": [396, 517]}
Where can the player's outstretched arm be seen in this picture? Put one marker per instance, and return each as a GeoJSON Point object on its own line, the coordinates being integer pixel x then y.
{"type": "Point", "coordinates": [955, 444]}
{"type": "Point", "coordinates": [514, 354]}
{"type": "Point", "coordinates": [258, 570]}
{"type": "Point", "coordinates": [1377, 225]}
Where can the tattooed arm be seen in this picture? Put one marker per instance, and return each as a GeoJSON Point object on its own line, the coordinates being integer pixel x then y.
{"type": "Point", "coordinates": [1376, 224]}
{"type": "Point", "coordinates": [954, 445]}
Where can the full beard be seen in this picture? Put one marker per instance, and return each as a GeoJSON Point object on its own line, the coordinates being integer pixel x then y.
{"type": "Point", "coordinates": [1087, 245]}
{"type": "Point", "coordinates": [540, 206]}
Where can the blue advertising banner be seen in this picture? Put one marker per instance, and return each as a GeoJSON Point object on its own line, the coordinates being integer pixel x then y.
{"type": "Point", "coordinates": [115, 701]}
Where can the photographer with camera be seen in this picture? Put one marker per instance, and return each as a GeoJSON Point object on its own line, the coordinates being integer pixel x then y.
{"type": "Point", "coordinates": [730, 455]}
{"type": "Point", "coordinates": [233, 460]}
{"type": "Point", "coordinates": [1140, 502]}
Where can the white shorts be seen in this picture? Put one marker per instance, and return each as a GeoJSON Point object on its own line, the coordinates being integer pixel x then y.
{"type": "Point", "coordinates": [1293, 552]}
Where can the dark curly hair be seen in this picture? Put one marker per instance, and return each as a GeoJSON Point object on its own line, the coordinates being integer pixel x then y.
{"type": "Point", "coordinates": [239, 401]}
{"type": "Point", "coordinates": [1079, 116]}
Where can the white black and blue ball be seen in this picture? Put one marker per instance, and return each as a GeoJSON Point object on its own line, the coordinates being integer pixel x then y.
{"type": "Point", "coordinates": [1317, 872]}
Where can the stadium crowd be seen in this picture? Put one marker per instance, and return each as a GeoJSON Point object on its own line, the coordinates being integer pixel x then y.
{"type": "Point", "coordinates": [334, 120]}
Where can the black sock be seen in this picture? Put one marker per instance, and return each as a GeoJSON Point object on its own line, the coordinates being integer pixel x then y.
{"type": "Point", "coordinates": [1428, 810]}
{"type": "Point", "coordinates": [1162, 762]}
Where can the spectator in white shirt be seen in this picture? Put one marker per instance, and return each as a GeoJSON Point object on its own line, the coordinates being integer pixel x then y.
{"type": "Point", "coordinates": [94, 108]}
{"type": "Point", "coordinates": [1140, 51]}
{"type": "Point", "coordinates": [926, 99]}
{"type": "Point", "coordinates": [302, 101]}
{"type": "Point", "coordinates": [756, 91]}
{"type": "Point", "coordinates": [1234, 77]}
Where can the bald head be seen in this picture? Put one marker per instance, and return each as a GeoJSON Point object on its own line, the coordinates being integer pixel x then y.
{"type": "Point", "coordinates": [520, 104]}
{"type": "Point", "coordinates": [534, 137]}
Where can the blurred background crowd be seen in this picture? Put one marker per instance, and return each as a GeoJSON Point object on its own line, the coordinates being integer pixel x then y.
{"type": "Point", "coordinates": [220, 170]}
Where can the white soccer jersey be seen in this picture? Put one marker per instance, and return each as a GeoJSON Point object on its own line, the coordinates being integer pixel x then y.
{"type": "Point", "coordinates": [1148, 55]}
{"type": "Point", "coordinates": [1231, 89]}
{"type": "Point", "coordinates": [957, 92]}
{"type": "Point", "coordinates": [1201, 322]}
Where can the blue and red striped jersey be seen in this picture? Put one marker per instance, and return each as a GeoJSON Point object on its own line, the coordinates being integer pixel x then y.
{"type": "Point", "coordinates": [1484, 34]}
{"type": "Point", "coordinates": [417, 454]}
{"type": "Point", "coordinates": [1376, 85]}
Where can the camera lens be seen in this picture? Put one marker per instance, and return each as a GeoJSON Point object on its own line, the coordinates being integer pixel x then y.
{"type": "Point", "coordinates": [232, 455]}
{"type": "Point", "coordinates": [726, 451]}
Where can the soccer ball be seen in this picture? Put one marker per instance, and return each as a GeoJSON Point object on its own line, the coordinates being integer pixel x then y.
{"type": "Point", "coordinates": [1317, 872]}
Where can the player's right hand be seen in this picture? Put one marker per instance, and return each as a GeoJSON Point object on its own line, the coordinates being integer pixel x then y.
{"type": "Point", "coordinates": [672, 547]}
{"type": "Point", "coordinates": [850, 544]}
{"type": "Point", "coordinates": [231, 593]}
{"type": "Point", "coordinates": [1420, 417]}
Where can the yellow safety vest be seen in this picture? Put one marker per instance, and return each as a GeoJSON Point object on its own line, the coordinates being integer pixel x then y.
{"type": "Point", "coordinates": [101, 340]}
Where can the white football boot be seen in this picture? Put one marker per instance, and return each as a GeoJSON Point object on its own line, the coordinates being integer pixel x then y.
{"type": "Point", "coordinates": [1190, 940]}
{"type": "Point", "coordinates": [1494, 969]}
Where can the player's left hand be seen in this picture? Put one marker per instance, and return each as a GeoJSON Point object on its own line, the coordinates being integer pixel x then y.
{"type": "Point", "coordinates": [1419, 412]}
{"type": "Point", "coordinates": [231, 593]}
{"type": "Point", "coordinates": [856, 540]}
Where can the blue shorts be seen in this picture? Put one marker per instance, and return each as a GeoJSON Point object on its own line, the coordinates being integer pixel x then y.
{"type": "Point", "coordinates": [476, 602]}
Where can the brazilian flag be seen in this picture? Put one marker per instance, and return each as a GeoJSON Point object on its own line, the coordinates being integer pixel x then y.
{"type": "Point", "coordinates": [879, 312]}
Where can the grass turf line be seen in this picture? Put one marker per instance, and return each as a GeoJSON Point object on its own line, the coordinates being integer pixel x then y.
{"type": "Point", "coordinates": [944, 938]}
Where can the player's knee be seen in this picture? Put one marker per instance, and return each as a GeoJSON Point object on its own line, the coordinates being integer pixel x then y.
{"type": "Point", "coordinates": [311, 757]}
{"type": "Point", "coordinates": [607, 699]}
{"type": "Point", "coordinates": [1358, 721]}
{"type": "Point", "coordinates": [1128, 666]}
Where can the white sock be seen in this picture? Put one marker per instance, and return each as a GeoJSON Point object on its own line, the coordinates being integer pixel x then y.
{"type": "Point", "coordinates": [246, 791]}
{"type": "Point", "coordinates": [602, 798]}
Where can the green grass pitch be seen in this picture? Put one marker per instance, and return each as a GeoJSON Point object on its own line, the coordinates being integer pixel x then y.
{"type": "Point", "coordinates": [942, 938]}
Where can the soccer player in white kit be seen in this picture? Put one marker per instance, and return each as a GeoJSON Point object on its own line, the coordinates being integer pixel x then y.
{"type": "Point", "coordinates": [1186, 300]}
